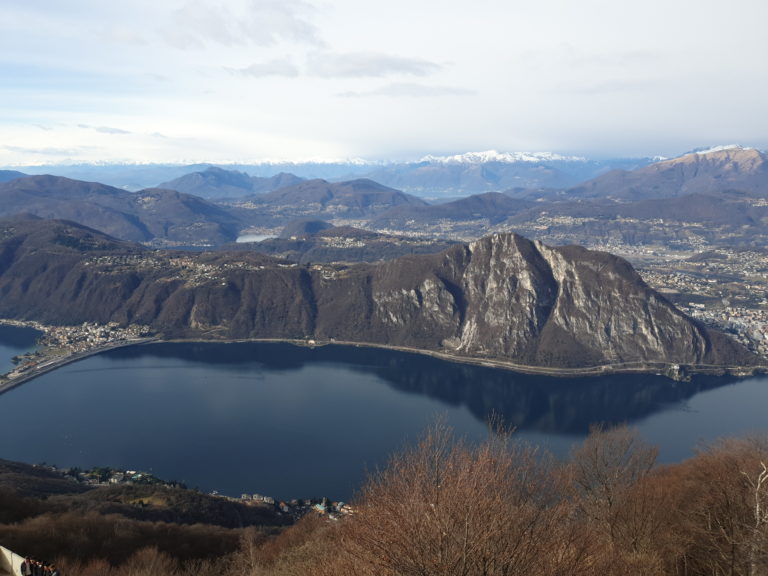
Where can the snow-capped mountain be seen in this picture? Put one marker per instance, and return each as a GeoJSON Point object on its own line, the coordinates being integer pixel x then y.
{"type": "Point", "coordinates": [721, 148]}
{"type": "Point", "coordinates": [501, 157]}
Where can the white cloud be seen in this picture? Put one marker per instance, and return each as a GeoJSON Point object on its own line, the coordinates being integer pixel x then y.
{"type": "Point", "coordinates": [348, 78]}
{"type": "Point", "coordinates": [237, 23]}
{"type": "Point", "coordinates": [277, 67]}
{"type": "Point", "coordinates": [104, 129]}
{"type": "Point", "coordinates": [409, 91]}
{"type": "Point", "coordinates": [329, 65]}
{"type": "Point", "coordinates": [367, 65]}
{"type": "Point", "coordinates": [53, 151]}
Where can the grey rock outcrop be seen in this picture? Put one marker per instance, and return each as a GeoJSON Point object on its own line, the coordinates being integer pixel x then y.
{"type": "Point", "coordinates": [506, 297]}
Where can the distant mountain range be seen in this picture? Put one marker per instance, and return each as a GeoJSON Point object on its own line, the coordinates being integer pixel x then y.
{"type": "Point", "coordinates": [146, 216]}
{"type": "Point", "coordinates": [171, 218]}
{"type": "Point", "coordinates": [217, 183]}
{"type": "Point", "coordinates": [477, 173]}
{"type": "Point", "coordinates": [718, 170]}
{"type": "Point", "coordinates": [706, 198]}
{"type": "Point", "coordinates": [359, 199]}
{"type": "Point", "coordinates": [696, 200]}
{"type": "Point", "coordinates": [502, 298]}
{"type": "Point", "coordinates": [431, 176]}
{"type": "Point", "coordinates": [6, 175]}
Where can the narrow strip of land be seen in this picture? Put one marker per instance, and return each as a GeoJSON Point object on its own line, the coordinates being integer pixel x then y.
{"type": "Point", "coordinates": [17, 378]}
{"type": "Point", "coordinates": [671, 370]}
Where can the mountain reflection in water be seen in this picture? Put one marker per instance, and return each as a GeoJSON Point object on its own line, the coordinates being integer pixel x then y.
{"type": "Point", "coordinates": [537, 403]}
{"type": "Point", "coordinates": [292, 421]}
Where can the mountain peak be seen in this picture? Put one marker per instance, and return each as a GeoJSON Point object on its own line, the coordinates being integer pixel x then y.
{"type": "Point", "coordinates": [503, 157]}
{"type": "Point", "coordinates": [735, 156]}
{"type": "Point", "coordinates": [715, 149]}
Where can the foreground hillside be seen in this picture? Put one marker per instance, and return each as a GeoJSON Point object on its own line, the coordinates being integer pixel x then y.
{"type": "Point", "coordinates": [448, 508]}
{"type": "Point", "coordinates": [48, 515]}
{"type": "Point", "coordinates": [502, 298]}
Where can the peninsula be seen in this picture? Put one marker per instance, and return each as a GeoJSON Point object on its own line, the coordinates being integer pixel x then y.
{"type": "Point", "coordinates": [61, 345]}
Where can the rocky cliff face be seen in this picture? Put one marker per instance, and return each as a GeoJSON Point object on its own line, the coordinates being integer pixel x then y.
{"type": "Point", "coordinates": [509, 298]}
{"type": "Point", "coordinates": [502, 298]}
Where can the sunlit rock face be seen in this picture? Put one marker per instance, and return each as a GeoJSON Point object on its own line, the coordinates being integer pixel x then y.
{"type": "Point", "coordinates": [506, 297]}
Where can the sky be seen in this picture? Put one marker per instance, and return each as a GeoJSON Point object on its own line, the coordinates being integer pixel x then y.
{"type": "Point", "coordinates": [249, 81]}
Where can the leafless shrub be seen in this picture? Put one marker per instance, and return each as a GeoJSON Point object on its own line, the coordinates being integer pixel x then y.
{"type": "Point", "coordinates": [721, 509]}
{"type": "Point", "coordinates": [450, 509]}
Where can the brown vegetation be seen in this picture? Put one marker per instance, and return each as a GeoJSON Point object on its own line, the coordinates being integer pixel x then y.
{"type": "Point", "coordinates": [502, 508]}
{"type": "Point", "coordinates": [448, 508]}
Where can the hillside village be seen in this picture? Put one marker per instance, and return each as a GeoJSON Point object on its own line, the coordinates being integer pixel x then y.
{"type": "Point", "coordinates": [62, 344]}
{"type": "Point", "coordinates": [725, 288]}
{"type": "Point", "coordinates": [294, 508]}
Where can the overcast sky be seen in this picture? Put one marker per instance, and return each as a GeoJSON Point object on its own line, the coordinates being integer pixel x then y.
{"type": "Point", "coordinates": [252, 80]}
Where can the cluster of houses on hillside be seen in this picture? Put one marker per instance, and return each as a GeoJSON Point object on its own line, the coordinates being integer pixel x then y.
{"type": "Point", "coordinates": [297, 508]}
{"type": "Point", "coordinates": [90, 335]}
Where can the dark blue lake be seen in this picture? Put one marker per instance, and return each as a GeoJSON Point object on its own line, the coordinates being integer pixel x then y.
{"type": "Point", "coordinates": [15, 340]}
{"type": "Point", "coordinates": [298, 422]}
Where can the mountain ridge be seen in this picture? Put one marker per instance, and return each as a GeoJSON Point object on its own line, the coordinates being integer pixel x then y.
{"type": "Point", "coordinates": [428, 176]}
{"type": "Point", "coordinates": [718, 169]}
{"type": "Point", "coordinates": [218, 183]}
{"type": "Point", "coordinates": [150, 215]}
{"type": "Point", "coordinates": [501, 299]}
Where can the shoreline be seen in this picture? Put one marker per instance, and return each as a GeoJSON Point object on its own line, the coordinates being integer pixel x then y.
{"type": "Point", "coordinates": [9, 383]}
{"type": "Point", "coordinates": [669, 370]}
{"type": "Point", "coordinates": [675, 372]}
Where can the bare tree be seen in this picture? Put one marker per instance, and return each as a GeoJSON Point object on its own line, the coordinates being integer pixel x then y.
{"type": "Point", "coordinates": [758, 486]}
{"type": "Point", "coordinates": [449, 509]}
{"type": "Point", "coordinates": [604, 468]}
{"type": "Point", "coordinates": [620, 502]}
{"type": "Point", "coordinates": [148, 562]}
{"type": "Point", "coordinates": [722, 509]}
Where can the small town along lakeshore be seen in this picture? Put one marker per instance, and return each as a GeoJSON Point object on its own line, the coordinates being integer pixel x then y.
{"type": "Point", "coordinates": [292, 509]}
{"type": "Point", "coordinates": [62, 345]}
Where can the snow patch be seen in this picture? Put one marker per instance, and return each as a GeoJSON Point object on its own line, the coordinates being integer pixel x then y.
{"type": "Point", "coordinates": [721, 148]}
{"type": "Point", "coordinates": [505, 157]}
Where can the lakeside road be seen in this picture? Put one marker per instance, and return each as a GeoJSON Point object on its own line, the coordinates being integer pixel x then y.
{"type": "Point", "coordinates": [669, 370]}
{"type": "Point", "coordinates": [50, 364]}
{"type": "Point", "coordinates": [673, 371]}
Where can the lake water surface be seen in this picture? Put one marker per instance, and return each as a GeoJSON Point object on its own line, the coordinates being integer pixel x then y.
{"type": "Point", "coordinates": [298, 422]}
{"type": "Point", "coordinates": [15, 340]}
